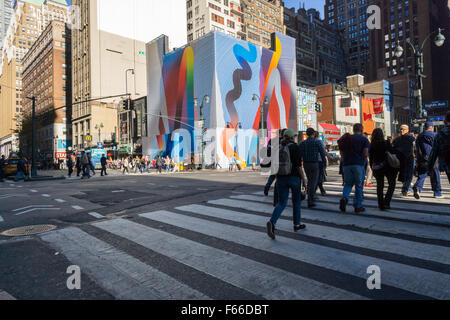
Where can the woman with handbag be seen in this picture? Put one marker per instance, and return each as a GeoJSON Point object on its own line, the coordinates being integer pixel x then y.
{"type": "Point", "coordinates": [379, 148]}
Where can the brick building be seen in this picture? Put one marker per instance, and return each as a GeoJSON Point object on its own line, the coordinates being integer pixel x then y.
{"type": "Point", "coordinates": [47, 76]}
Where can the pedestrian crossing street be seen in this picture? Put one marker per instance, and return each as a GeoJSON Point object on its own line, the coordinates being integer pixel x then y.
{"type": "Point", "coordinates": [219, 250]}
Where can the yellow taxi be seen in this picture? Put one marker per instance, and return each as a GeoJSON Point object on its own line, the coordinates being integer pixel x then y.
{"type": "Point", "coordinates": [11, 165]}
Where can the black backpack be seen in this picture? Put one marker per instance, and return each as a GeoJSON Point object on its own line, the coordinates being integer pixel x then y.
{"type": "Point", "coordinates": [285, 164]}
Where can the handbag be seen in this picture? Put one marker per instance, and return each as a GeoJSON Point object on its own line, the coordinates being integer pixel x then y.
{"type": "Point", "coordinates": [303, 194]}
{"type": "Point", "coordinates": [393, 160]}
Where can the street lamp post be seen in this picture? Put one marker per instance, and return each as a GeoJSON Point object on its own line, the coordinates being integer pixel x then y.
{"type": "Point", "coordinates": [418, 54]}
{"type": "Point", "coordinates": [205, 99]}
{"type": "Point", "coordinates": [128, 111]}
{"type": "Point", "coordinates": [99, 128]}
{"type": "Point", "coordinates": [257, 98]}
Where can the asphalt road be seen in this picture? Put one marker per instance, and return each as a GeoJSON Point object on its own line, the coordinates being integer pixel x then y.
{"type": "Point", "coordinates": [202, 236]}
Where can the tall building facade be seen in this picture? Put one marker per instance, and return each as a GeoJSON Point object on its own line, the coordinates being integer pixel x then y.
{"type": "Point", "coordinates": [413, 21]}
{"type": "Point", "coordinates": [320, 55]}
{"type": "Point", "coordinates": [222, 15]}
{"type": "Point", "coordinates": [350, 17]}
{"type": "Point", "coordinates": [6, 11]}
{"type": "Point", "coordinates": [250, 20]}
{"type": "Point", "coordinates": [29, 19]}
{"type": "Point", "coordinates": [106, 66]}
{"type": "Point", "coordinates": [47, 76]}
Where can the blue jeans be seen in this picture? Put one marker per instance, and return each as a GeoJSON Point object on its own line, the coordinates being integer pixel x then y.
{"type": "Point", "coordinates": [20, 175]}
{"type": "Point", "coordinates": [284, 183]}
{"type": "Point", "coordinates": [270, 181]}
{"type": "Point", "coordinates": [435, 181]}
{"type": "Point", "coordinates": [354, 176]}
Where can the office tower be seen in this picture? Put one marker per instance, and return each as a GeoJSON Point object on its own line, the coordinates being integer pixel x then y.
{"type": "Point", "coordinates": [413, 21]}
{"type": "Point", "coordinates": [28, 21]}
{"type": "Point", "coordinates": [250, 20]}
{"type": "Point", "coordinates": [350, 17]}
{"type": "Point", "coordinates": [6, 10]}
{"type": "Point", "coordinates": [320, 55]}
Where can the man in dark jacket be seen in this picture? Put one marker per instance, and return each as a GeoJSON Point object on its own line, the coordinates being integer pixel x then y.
{"type": "Point", "coordinates": [311, 149]}
{"type": "Point", "coordinates": [103, 163]}
{"type": "Point", "coordinates": [21, 170]}
{"type": "Point", "coordinates": [441, 149]}
{"type": "Point", "coordinates": [404, 148]}
{"type": "Point", "coordinates": [424, 145]}
{"type": "Point", "coordinates": [292, 181]}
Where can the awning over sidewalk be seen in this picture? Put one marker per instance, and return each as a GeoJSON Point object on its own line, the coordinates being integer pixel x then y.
{"type": "Point", "coordinates": [331, 127]}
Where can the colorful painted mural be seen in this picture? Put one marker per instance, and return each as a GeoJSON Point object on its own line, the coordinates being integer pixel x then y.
{"type": "Point", "coordinates": [230, 72]}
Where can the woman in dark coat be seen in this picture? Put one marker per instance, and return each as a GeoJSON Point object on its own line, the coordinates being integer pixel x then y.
{"type": "Point", "coordinates": [381, 169]}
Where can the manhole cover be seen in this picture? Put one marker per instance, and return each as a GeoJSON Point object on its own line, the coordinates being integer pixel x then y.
{"type": "Point", "coordinates": [29, 230]}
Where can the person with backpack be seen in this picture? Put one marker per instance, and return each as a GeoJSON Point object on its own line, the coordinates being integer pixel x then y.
{"type": "Point", "coordinates": [404, 147]}
{"type": "Point", "coordinates": [354, 152]}
{"type": "Point", "coordinates": [311, 149]}
{"type": "Point", "coordinates": [381, 168]}
{"type": "Point", "coordinates": [441, 150]}
{"type": "Point", "coordinates": [290, 176]}
{"type": "Point", "coordinates": [424, 145]}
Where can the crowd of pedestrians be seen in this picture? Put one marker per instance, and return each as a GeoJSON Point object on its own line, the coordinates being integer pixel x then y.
{"type": "Point", "coordinates": [304, 165]}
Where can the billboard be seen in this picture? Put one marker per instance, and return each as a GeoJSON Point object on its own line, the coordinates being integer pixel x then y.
{"type": "Point", "coordinates": [231, 72]}
{"type": "Point", "coordinates": [307, 115]}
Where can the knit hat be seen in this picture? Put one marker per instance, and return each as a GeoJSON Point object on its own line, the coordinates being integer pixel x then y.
{"type": "Point", "coordinates": [290, 134]}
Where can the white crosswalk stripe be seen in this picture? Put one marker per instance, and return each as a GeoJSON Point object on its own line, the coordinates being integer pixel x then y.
{"type": "Point", "coordinates": [125, 276]}
{"type": "Point", "coordinates": [225, 240]}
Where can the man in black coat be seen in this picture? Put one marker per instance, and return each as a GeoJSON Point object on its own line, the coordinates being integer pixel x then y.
{"type": "Point", "coordinates": [103, 163]}
{"type": "Point", "coordinates": [404, 147]}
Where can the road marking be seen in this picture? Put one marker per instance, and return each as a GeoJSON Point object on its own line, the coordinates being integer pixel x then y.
{"type": "Point", "coordinates": [36, 209]}
{"type": "Point", "coordinates": [1, 219]}
{"type": "Point", "coordinates": [34, 191]}
{"type": "Point", "coordinates": [96, 215]}
{"type": "Point", "coordinates": [360, 239]}
{"type": "Point", "coordinates": [377, 224]}
{"type": "Point", "coordinates": [34, 206]}
{"type": "Point", "coordinates": [77, 207]}
{"type": "Point", "coordinates": [152, 184]}
{"type": "Point", "coordinates": [202, 189]}
{"type": "Point", "coordinates": [46, 195]}
{"type": "Point", "coordinates": [211, 261]}
{"type": "Point", "coordinates": [118, 191]}
{"type": "Point", "coordinates": [132, 278]}
{"type": "Point", "coordinates": [395, 274]}
{"type": "Point", "coordinates": [6, 188]}
{"type": "Point", "coordinates": [60, 200]}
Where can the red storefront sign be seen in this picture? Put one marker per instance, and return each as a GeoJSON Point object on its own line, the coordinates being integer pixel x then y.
{"type": "Point", "coordinates": [60, 155]}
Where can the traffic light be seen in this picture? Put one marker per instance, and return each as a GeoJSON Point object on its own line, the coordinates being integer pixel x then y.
{"type": "Point", "coordinates": [319, 107]}
{"type": "Point", "coordinates": [131, 104]}
{"type": "Point", "coordinates": [126, 104]}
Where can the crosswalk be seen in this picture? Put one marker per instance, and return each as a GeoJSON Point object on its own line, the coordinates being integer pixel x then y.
{"type": "Point", "coordinates": [219, 250]}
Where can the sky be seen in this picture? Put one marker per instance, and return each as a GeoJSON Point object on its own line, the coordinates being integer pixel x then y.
{"type": "Point", "coordinates": [316, 4]}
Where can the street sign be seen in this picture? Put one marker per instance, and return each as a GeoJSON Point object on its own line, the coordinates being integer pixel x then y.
{"type": "Point", "coordinates": [437, 104]}
{"type": "Point", "coordinates": [114, 148]}
{"type": "Point", "coordinates": [100, 145]}
{"type": "Point", "coordinates": [88, 138]}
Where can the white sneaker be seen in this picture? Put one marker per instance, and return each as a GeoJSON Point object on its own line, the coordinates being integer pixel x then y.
{"type": "Point", "coordinates": [439, 197]}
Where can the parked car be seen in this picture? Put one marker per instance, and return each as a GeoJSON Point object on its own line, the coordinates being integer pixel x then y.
{"type": "Point", "coordinates": [333, 159]}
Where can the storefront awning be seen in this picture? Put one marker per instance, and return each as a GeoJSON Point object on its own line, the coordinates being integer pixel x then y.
{"type": "Point", "coordinates": [327, 126]}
